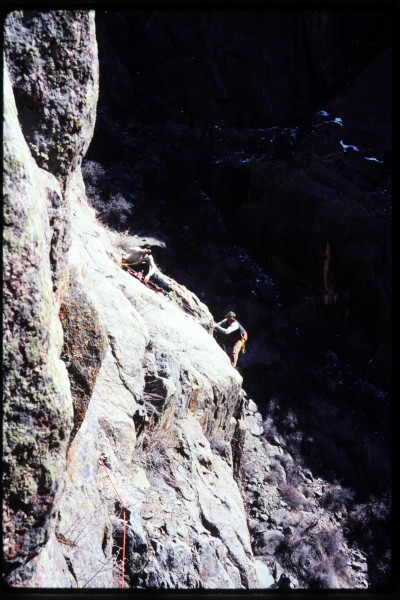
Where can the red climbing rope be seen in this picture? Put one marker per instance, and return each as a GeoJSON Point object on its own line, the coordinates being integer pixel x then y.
{"type": "Point", "coordinates": [124, 518]}
{"type": "Point", "coordinates": [153, 286]}
{"type": "Point", "coordinates": [139, 276]}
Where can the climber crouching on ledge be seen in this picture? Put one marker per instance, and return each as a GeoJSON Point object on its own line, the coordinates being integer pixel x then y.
{"type": "Point", "coordinates": [141, 260]}
{"type": "Point", "coordinates": [236, 335]}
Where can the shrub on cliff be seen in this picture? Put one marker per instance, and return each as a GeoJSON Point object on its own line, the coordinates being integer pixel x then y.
{"type": "Point", "coordinates": [106, 194]}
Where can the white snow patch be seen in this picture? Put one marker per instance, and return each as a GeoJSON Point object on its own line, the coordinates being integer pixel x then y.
{"type": "Point", "coordinates": [372, 158]}
{"type": "Point", "coordinates": [346, 146]}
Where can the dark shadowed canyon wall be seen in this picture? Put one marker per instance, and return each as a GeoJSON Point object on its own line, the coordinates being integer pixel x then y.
{"type": "Point", "coordinates": [226, 78]}
{"type": "Point", "coordinates": [253, 151]}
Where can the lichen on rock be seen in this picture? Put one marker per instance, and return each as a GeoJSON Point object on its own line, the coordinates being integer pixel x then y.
{"type": "Point", "coordinates": [53, 63]}
{"type": "Point", "coordinates": [37, 402]}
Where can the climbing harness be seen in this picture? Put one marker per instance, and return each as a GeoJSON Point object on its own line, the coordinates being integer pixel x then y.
{"type": "Point", "coordinates": [124, 519]}
{"type": "Point", "coordinates": [245, 337]}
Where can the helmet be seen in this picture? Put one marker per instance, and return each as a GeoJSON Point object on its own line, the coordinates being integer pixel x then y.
{"type": "Point", "coordinates": [231, 315]}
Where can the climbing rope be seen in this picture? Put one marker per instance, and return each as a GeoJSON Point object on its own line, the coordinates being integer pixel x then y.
{"type": "Point", "coordinates": [156, 288]}
{"type": "Point", "coordinates": [139, 276]}
{"type": "Point", "coordinates": [124, 519]}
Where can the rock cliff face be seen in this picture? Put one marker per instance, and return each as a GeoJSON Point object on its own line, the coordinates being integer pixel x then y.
{"type": "Point", "coordinates": [53, 64]}
{"type": "Point", "coordinates": [287, 218]}
{"type": "Point", "coordinates": [124, 421]}
{"type": "Point", "coordinates": [39, 132]}
{"type": "Point", "coordinates": [292, 114]}
{"type": "Point", "coordinates": [132, 455]}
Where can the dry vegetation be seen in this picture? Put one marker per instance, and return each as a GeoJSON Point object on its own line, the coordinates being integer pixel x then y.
{"type": "Point", "coordinates": [156, 447]}
{"type": "Point", "coordinates": [112, 208]}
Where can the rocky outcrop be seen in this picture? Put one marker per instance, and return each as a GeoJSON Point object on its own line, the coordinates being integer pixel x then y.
{"type": "Point", "coordinates": [164, 388]}
{"type": "Point", "coordinates": [37, 409]}
{"type": "Point", "coordinates": [132, 455]}
{"type": "Point", "coordinates": [37, 399]}
{"type": "Point", "coordinates": [52, 57]}
{"type": "Point", "coordinates": [120, 430]}
{"type": "Point", "coordinates": [285, 223]}
{"type": "Point", "coordinates": [292, 112]}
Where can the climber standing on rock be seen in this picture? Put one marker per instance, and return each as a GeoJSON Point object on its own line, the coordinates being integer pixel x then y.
{"type": "Point", "coordinates": [236, 335]}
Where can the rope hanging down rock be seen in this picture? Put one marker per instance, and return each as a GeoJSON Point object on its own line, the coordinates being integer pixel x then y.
{"type": "Point", "coordinates": [124, 519]}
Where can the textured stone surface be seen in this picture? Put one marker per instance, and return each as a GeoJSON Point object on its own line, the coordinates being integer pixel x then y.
{"type": "Point", "coordinates": [137, 365]}
{"type": "Point", "coordinates": [84, 347]}
{"type": "Point", "coordinates": [54, 71]}
{"type": "Point", "coordinates": [161, 446]}
{"type": "Point", "coordinates": [168, 383]}
{"type": "Point", "coordinates": [37, 400]}
{"type": "Point", "coordinates": [37, 409]}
